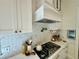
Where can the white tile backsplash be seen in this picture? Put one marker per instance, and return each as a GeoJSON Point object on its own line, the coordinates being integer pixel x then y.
{"type": "Point", "coordinates": [13, 42]}
{"type": "Point", "coordinates": [38, 36]}
{"type": "Point", "coordinates": [54, 26]}
{"type": "Point", "coordinates": [45, 36]}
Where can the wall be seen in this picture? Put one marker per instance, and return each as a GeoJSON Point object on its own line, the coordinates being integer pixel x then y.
{"type": "Point", "coordinates": [69, 15]}
{"type": "Point", "coordinates": [69, 22]}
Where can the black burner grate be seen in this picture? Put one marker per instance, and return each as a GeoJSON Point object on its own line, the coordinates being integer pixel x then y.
{"type": "Point", "coordinates": [47, 50]}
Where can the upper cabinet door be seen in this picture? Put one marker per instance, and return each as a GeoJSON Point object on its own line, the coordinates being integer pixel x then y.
{"type": "Point", "coordinates": [24, 15]}
{"type": "Point", "coordinates": [8, 15]}
{"type": "Point", "coordinates": [50, 2]}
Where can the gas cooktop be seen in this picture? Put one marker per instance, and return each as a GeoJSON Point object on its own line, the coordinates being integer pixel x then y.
{"type": "Point", "coordinates": [48, 49]}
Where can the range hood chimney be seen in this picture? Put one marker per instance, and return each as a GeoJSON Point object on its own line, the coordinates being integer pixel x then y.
{"type": "Point", "coordinates": [47, 14]}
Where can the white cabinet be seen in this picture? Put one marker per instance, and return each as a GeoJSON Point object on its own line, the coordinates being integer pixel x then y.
{"type": "Point", "coordinates": [62, 54]}
{"type": "Point", "coordinates": [24, 9]}
{"type": "Point", "coordinates": [56, 4]}
{"type": "Point", "coordinates": [49, 2]}
{"type": "Point", "coordinates": [16, 15]}
{"type": "Point", "coordinates": [8, 15]}
{"type": "Point", "coordinates": [71, 50]}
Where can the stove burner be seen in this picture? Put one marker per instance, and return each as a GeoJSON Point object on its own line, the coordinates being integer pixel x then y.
{"type": "Point", "coordinates": [49, 48]}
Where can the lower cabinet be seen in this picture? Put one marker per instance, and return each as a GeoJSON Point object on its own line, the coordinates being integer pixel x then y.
{"type": "Point", "coordinates": [62, 54]}
{"type": "Point", "coordinates": [71, 50]}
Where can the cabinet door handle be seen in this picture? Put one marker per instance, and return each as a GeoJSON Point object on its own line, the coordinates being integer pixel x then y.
{"type": "Point", "coordinates": [16, 31]}
{"type": "Point", "coordinates": [20, 31]}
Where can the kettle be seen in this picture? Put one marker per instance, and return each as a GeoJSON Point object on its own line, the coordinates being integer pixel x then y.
{"type": "Point", "coordinates": [28, 47]}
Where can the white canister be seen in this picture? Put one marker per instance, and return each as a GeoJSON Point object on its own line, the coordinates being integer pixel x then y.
{"type": "Point", "coordinates": [38, 47]}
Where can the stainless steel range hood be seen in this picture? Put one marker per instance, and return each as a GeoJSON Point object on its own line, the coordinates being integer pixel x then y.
{"type": "Point", "coordinates": [47, 14]}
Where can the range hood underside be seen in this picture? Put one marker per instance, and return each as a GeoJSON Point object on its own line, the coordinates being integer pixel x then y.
{"type": "Point", "coordinates": [47, 21]}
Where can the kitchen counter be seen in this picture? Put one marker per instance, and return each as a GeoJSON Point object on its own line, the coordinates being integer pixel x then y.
{"type": "Point", "coordinates": [62, 44]}
{"type": "Point", "coordinates": [22, 56]}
